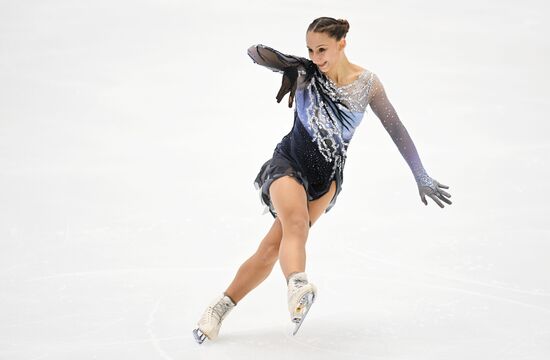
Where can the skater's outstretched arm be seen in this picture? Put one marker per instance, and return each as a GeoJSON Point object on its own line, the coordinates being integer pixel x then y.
{"type": "Point", "coordinates": [384, 110]}
{"type": "Point", "coordinates": [275, 60]}
{"type": "Point", "coordinates": [288, 65]}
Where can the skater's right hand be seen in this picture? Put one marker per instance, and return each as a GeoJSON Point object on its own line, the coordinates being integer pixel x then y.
{"type": "Point", "coordinates": [290, 77]}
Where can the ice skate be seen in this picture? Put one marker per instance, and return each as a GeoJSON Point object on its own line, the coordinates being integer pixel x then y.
{"type": "Point", "coordinates": [301, 296]}
{"type": "Point", "coordinates": [211, 321]}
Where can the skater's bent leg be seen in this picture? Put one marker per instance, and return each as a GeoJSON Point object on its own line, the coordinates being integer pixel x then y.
{"type": "Point", "coordinates": [258, 267]}
{"type": "Point", "coordinates": [289, 199]}
{"type": "Point", "coordinates": [286, 200]}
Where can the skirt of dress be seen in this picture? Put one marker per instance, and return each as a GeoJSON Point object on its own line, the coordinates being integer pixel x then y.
{"type": "Point", "coordinates": [300, 159]}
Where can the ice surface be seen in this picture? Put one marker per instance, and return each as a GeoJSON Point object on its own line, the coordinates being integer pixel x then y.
{"type": "Point", "coordinates": [130, 135]}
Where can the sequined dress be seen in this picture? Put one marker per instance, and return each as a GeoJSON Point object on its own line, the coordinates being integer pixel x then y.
{"type": "Point", "coordinates": [325, 119]}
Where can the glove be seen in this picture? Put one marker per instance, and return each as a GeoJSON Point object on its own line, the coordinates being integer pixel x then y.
{"type": "Point", "coordinates": [290, 77]}
{"type": "Point", "coordinates": [433, 188]}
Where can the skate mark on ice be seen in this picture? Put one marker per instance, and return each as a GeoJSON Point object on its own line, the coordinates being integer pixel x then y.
{"type": "Point", "coordinates": [152, 336]}
{"type": "Point", "coordinates": [474, 282]}
{"type": "Point", "coordinates": [112, 271]}
{"type": "Point", "coordinates": [54, 319]}
{"type": "Point", "coordinates": [101, 327]}
{"type": "Point", "coordinates": [450, 288]}
{"type": "Point", "coordinates": [308, 344]}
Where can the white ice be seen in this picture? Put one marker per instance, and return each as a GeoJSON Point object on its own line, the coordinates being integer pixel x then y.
{"type": "Point", "coordinates": [130, 136]}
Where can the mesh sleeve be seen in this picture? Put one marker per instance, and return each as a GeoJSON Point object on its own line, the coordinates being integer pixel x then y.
{"type": "Point", "coordinates": [384, 110]}
{"type": "Point", "coordinates": [273, 59]}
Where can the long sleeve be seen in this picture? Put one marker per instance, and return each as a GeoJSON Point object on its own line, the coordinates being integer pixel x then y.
{"type": "Point", "coordinates": [384, 110]}
{"type": "Point", "coordinates": [275, 60]}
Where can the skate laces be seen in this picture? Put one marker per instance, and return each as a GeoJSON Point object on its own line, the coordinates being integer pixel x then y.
{"type": "Point", "coordinates": [295, 284]}
{"type": "Point", "coordinates": [220, 309]}
{"type": "Point", "coordinates": [298, 283]}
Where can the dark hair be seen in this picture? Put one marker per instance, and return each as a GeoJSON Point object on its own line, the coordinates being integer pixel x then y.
{"type": "Point", "coordinates": [336, 28]}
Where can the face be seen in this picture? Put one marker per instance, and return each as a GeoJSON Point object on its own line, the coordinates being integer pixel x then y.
{"type": "Point", "coordinates": [324, 50]}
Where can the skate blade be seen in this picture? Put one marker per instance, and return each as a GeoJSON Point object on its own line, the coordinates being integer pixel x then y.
{"type": "Point", "coordinates": [199, 336]}
{"type": "Point", "coordinates": [305, 303]}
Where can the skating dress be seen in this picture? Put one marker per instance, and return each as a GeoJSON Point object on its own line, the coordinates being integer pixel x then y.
{"type": "Point", "coordinates": [325, 119]}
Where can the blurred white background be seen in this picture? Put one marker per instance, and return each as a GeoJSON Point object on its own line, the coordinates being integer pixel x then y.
{"type": "Point", "coordinates": [130, 136]}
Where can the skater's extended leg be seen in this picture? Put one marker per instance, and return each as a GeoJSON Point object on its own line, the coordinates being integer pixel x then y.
{"type": "Point", "coordinates": [289, 199]}
{"type": "Point", "coordinates": [255, 270]}
{"type": "Point", "coordinates": [258, 267]}
{"type": "Point", "coordinates": [286, 200]}
{"type": "Point", "coordinates": [251, 273]}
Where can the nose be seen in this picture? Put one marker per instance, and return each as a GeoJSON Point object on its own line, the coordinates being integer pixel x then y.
{"type": "Point", "coordinates": [315, 58]}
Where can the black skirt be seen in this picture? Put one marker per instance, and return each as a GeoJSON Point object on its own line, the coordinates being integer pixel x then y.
{"type": "Point", "coordinates": [298, 156]}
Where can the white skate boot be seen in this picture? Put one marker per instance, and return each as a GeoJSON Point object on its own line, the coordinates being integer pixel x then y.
{"type": "Point", "coordinates": [301, 296]}
{"type": "Point", "coordinates": [211, 321]}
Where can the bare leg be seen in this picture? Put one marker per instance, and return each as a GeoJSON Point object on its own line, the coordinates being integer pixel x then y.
{"type": "Point", "coordinates": [290, 201]}
{"type": "Point", "coordinates": [258, 267]}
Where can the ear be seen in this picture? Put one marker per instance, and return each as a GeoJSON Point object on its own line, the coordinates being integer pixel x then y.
{"type": "Point", "coordinates": [342, 44]}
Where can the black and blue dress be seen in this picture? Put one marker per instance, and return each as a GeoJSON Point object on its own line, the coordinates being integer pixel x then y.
{"type": "Point", "coordinates": [325, 119]}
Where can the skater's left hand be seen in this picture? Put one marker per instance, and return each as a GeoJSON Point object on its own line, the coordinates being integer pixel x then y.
{"type": "Point", "coordinates": [434, 189]}
{"type": "Point", "coordinates": [289, 84]}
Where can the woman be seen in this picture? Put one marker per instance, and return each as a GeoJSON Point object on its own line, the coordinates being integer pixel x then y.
{"type": "Point", "coordinates": [304, 177]}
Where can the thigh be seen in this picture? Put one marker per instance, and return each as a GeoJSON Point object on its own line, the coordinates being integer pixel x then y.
{"type": "Point", "coordinates": [318, 206]}
{"type": "Point", "coordinates": [289, 199]}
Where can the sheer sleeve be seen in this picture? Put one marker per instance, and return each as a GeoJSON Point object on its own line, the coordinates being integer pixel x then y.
{"type": "Point", "coordinates": [384, 110]}
{"type": "Point", "coordinates": [275, 60]}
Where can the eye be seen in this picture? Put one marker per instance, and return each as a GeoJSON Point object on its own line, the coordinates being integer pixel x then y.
{"type": "Point", "coordinates": [321, 50]}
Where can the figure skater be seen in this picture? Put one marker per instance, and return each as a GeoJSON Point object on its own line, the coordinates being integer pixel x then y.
{"type": "Point", "coordinates": [303, 178]}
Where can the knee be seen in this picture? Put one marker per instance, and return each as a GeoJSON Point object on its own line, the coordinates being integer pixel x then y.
{"type": "Point", "coordinates": [296, 224]}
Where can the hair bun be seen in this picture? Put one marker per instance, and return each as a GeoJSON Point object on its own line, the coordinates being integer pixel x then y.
{"type": "Point", "coordinates": [336, 28]}
{"type": "Point", "coordinates": [344, 23]}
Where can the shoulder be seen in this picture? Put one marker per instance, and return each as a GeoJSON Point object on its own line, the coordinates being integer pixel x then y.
{"type": "Point", "coordinates": [372, 79]}
{"type": "Point", "coordinates": [369, 77]}
{"type": "Point", "coordinates": [366, 73]}
{"type": "Point", "coordinates": [359, 71]}
{"type": "Point", "coordinates": [373, 85]}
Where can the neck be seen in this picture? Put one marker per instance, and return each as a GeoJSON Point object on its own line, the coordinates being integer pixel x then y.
{"type": "Point", "coordinates": [341, 71]}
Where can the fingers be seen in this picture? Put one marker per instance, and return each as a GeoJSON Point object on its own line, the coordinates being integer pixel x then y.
{"type": "Point", "coordinates": [285, 88]}
{"type": "Point", "coordinates": [292, 94]}
{"type": "Point", "coordinates": [280, 94]}
{"type": "Point", "coordinates": [444, 193]}
{"type": "Point", "coordinates": [286, 85]}
{"type": "Point", "coordinates": [435, 193]}
{"type": "Point", "coordinates": [444, 199]}
{"type": "Point", "coordinates": [441, 185]}
{"type": "Point", "coordinates": [423, 198]}
{"type": "Point", "coordinates": [434, 198]}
